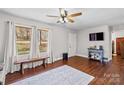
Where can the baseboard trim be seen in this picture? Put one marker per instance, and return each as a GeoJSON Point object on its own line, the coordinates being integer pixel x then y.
{"type": "Point", "coordinates": [82, 55]}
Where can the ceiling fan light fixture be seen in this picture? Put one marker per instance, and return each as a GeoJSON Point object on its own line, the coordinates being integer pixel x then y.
{"type": "Point", "coordinates": [65, 19]}
{"type": "Point", "coordinates": [61, 20]}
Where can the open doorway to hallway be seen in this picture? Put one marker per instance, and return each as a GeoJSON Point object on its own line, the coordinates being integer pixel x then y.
{"type": "Point", "coordinates": [118, 43]}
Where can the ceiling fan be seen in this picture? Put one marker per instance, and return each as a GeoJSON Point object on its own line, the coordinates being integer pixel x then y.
{"type": "Point", "coordinates": [65, 17]}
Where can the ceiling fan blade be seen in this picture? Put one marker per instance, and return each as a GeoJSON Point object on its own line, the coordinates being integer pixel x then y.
{"type": "Point", "coordinates": [75, 14]}
{"type": "Point", "coordinates": [70, 20]}
{"type": "Point", "coordinates": [51, 16]}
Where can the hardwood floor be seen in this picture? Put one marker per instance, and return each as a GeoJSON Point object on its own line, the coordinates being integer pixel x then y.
{"type": "Point", "coordinates": [111, 73]}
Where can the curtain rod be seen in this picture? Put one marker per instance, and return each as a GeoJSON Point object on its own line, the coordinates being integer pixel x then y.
{"type": "Point", "coordinates": [29, 26]}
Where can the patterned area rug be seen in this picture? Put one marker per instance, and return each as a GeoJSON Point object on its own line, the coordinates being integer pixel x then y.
{"type": "Point", "coordinates": [64, 75]}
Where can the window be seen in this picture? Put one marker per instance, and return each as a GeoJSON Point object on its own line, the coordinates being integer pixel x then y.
{"type": "Point", "coordinates": [23, 40]}
{"type": "Point", "coordinates": [43, 40]}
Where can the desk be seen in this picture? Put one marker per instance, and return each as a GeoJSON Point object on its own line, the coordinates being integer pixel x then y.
{"type": "Point", "coordinates": [31, 61]}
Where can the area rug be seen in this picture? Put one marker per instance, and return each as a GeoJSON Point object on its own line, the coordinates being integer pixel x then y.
{"type": "Point", "coordinates": [64, 75]}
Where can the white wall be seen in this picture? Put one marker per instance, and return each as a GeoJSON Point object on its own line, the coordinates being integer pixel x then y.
{"type": "Point", "coordinates": [72, 44]}
{"type": "Point", "coordinates": [83, 42]}
{"type": "Point", "coordinates": [59, 34]}
{"type": "Point", "coordinates": [117, 34]}
{"type": "Point", "coordinates": [59, 42]}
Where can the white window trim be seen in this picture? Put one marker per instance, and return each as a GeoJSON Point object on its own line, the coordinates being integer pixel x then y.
{"type": "Point", "coordinates": [31, 27]}
{"type": "Point", "coordinates": [45, 29]}
{"type": "Point", "coordinates": [23, 25]}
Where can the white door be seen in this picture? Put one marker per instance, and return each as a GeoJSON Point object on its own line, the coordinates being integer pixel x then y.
{"type": "Point", "coordinates": [72, 44]}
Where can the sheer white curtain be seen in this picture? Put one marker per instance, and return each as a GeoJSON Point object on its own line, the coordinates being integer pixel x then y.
{"type": "Point", "coordinates": [34, 53]}
{"type": "Point", "coordinates": [50, 51]}
{"type": "Point", "coordinates": [10, 50]}
{"type": "Point", "coordinates": [33, 43]}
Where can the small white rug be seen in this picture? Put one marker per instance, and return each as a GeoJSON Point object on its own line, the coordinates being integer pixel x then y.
{"type": "Point", "coordinates": [64, 75]}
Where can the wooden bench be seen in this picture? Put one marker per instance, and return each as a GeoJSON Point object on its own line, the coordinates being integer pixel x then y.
{"type": "Point", "coordinates": [31, 61]}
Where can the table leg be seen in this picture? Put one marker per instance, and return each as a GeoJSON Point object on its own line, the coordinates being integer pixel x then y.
{"type": "Point", "coordinates": [44, 64]}
{"type": "Point", "coordinates": [22, 70]}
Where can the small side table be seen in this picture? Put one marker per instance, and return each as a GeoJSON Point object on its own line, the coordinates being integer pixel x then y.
{"type": "Point", "coordinates": [65, 56]}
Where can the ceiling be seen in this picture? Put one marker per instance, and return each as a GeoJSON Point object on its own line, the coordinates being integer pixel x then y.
{"type": "Point", "coordinates": [91, 16]}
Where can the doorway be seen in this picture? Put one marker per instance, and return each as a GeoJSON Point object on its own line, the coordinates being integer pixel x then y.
{"type": "Point", "coordinates": [118, 43]}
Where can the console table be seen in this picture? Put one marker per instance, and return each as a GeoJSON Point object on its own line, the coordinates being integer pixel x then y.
{"type": "Point", "coordinates": [96, 54]}
{"type": "Point", "coordinates": [31, 61]}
